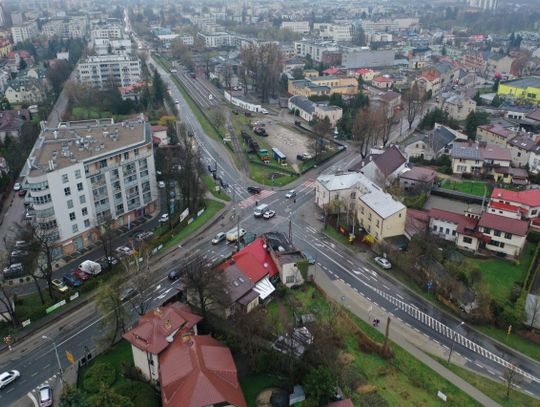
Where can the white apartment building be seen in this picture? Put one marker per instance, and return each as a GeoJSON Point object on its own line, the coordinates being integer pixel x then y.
{"type": "Point", "coordinates": [84, 173]}
{"type": "Point", "coordinates": [314, 49]}
{"type": "Point", "coordinates": [301, 27]}
{"type": "Point", "coordinates": [24, 31]}
{"type": "Point", "coordinates": [111, 31]}
{"type": "Point", "coordinates": [65, 28]}
{"type": "Point", "coordinates": [335, 32]}
{"type": "Point", "coordinates": [102, 71]}
{"type": "Point", "coordinates": [217, 39]}
{"type": "Point", "coordinates": [484, 4]}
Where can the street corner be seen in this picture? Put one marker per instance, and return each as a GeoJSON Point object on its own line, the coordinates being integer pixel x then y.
{"type": "Point", "coordinates": [32, 397]}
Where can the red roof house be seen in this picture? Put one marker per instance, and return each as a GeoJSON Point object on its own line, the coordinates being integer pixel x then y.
{"type": "Point", "coordinates": [331, 71]}
{"type": "Point", "coordinates": [198, 371]}
{"type": "Point", "coordinates": [528, 201]}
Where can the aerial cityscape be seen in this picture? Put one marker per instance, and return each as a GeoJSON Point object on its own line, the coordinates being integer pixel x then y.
{"type": "Point", "coordinates": [269, 203]}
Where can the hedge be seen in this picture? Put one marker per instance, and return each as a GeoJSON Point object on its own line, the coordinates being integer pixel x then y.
{"type": "Point", "coordinates": [141, 394]}
{"type": "Point", "coordinates": [98, 374]}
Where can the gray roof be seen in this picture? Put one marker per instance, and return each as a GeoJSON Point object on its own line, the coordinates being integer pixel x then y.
{"type": "Point", "coordinates": [523, 142]}
{"type": "Point", "coordinates": [303, 103]}
{"type": "Point", "coordinates": [530, 82]}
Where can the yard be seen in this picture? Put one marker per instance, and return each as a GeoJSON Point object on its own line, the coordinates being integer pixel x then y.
{"type": "Point", "coordinates": [468, 187]}
{"type": "Point", "coordinates": [252, 385]}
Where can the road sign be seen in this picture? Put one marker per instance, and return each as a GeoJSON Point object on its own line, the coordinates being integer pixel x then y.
{"type": "Point", "coordinates": [55, 306]}
{"type": "Point", "coordinates": [70, 357]}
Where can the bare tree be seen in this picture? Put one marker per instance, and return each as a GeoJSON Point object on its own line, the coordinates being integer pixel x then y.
{"type": "Point", "coordinates": [137, 267]}
{"type": "Point", "coordinates": [321, 130]}
{"type": "Point", "coordinates": [382, 124]}
{"type": "Point", "coordinates": [227, 77]}
{"type": "Point", "coordinates": [533, 308]}
{"type": "Point", "coordinates": [414, 100]}
{"type": "Point", "coordinates": [110, 306]}
{"type": "Point", "coordinates": [188, 173]}
{"type": "Point", "coordinates": [105, 235]}
{"type": "Point", "coordinates": [511, 378]}
{"type": "Point", "coordinates": [252, 331]}
{"type": "Point", "coordinates": [217, 117]}
{"type": "Point", "coordinates": [363, 131]}
{"type": "Point", "coordinates": [7, 299]}
{"type": "Point", "coordinates": [204, 286]}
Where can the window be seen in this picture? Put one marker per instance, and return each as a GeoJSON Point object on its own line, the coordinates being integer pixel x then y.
{"type": "Point", "coordinates": [353, 195]}
{"type": "Point", "coordinates": [67, 191]}
{"type": "Point", "coordinates": [534, 211]}
{"type": "Point", "coordinates": [74, 228]}
{"type": "Point", "coordinates": [369, 216]}
{"type": "Point", "coordinates": [103, 163]}
{"type": "Point", "coordinates": [82, 199]}
{"type": "Point", "coordinates": [86, 223]}
{"type": "Point", "coordinates": [72, 216]}
{"type": "Point", "coordinates": [289, 279]}
{"type": "Point", "coordinates": [70, 204]}
{"type": "Point", "coordinates": [377, 223]}
{"type": "Point", "coordinates": [487, 230]}
{"type": "Point", "coordinates": [497, 233]}
{"type": "Point", "coordinates": [126, 155]}
{"type": "Point", "coordinates": [467, 240]}
{"type": "Point", "coordinates": [508, 235]}
{"type": "Point", "coordinates": [441, 229]}
{"type": "Point", "coordinates": [136, 151]}
{"type": "Point", "coordinates": [453, 232]}
{"type": "Point", "coordinates": [65, 178]}
{"type": "Point", "coordinates": [77, 174]}
{"type": "Point", "coordinates": [79, 186]}
{"type": "Point", "coordinates": [447, 231]}
{"type": "Point", "coordinates": [84, 211]}
{"type": "Point", "coordinates": [434, 228]}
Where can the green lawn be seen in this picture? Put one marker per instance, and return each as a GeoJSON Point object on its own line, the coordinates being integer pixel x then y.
{"type": "Point", "coordinates": [252, 385]}
{"type": "Point", "coordinates": [211, 185]}
{"type": "Point", "coordinates": [495, 390]}
{"type": "Point", "coordinates": [91, 112]}
{"type": "Point", "coordinates": [332, 233]}
{"type": "Point", "coordinates": [513, 341]}
{"type": "Point", "coordinates": [262, 175]}
{"type": "Point", "coordinates": [468, 187]}
{"type": "Point", "coordinates": [500, 275]}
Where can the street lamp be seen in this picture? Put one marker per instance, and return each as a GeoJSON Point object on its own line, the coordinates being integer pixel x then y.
{"type": "Point", "coordinates": [57, 357]}
{"type": "Point", "coordinates": [454, 341]}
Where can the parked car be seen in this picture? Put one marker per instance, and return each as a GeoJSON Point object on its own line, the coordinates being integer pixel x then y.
{"type": "Point", "coordinates": [81, 275]}
{"type": "Point", "coordinates": [269, 214]}
{"type": "Point", "coordinates": [90, 267]}
{"type": "Point", "coordinates": [17, 186]}
{"type": "Point", "coordinates": [59, 285]}
{"type": "Point", "coordinates": [309, 258]}
{"type": "Point", "coordinates": [22, 192]}
{"type": "Point", "coordinates": [45, 396]}
{"type": "Point", "coordinates": [220, 237]}
{"type": "Point", "coordinates": [161, 184]}
{"type": "Point", "coordinates": [8, 377]}
{"type": "Point", "coordinates": [128, 293]}
{"type": "Point", "coordinates": [385, 264]}
{"type": "Point", "coordinates": [13, 270]}
{"type": "Point", "coordinates": [164, 218]}
{"type": "Point", "coordinates": [291, 194]}
{"type": "Point", "coordinates": [124, 251]}
{"type": "Point", "coordinates": [17, 254]}
{"type": "Point", "coordinates": [71, 281]}
{"type": "Point", "coordinates": [174, 274]}
{"type": "Point", "coordinates": [254, 190]}
{"type": "Point", "coordinates": [21, 244]}
{"type": "Point", "coordinates": [140, 236]}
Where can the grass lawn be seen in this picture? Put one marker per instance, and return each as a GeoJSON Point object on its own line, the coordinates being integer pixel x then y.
{"type": "Point", "coordinates": [402, 381]}
{"type": "Point", "coordinates": [211, 185]}
{"type": "Point", "coordinates": [252, 385]}
{"type": "Point", "coordinates": [262, 175]}
{"type": "Point", "coordinates": [500, 275]}
{"type": "Point", "coordinates": [84, 113]}
{"type": "Point", "coordinates": [335, 235]}
{"type": "Point", "coordinates": [468, 187]}
{"type": "Point", "coordinates": [513, 341]}
{"type": "Point", "coordinates": [495, 390]}
{"type": "Point", "coordinates": [212, 207]}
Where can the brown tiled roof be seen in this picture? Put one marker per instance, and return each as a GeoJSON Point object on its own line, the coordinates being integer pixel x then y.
{"type": "Point", "coordinates": [534, 115]}
{"type": "Point", "coordinates": [419, 174]}
{"type": "Point", "coordinates": [154, 327]}
{"type": "Point", "coordinates": [197, 371]}
{"type": "Point", "coordinates": [504, 224]}
{"type": "Point", "coordinates": [390, 160]}
{"type": "Point", "coordinates": [464, 223]}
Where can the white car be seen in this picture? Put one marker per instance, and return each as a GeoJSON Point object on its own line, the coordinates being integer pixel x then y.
{"type": "Point", "coordinates": [219, 238]}
{"type": "Point", "coordinates": [291, 194]}
{"type": "Point", "coordinates": [8, 377]}
{"type": "Point", "coordinates": [45, 396]}
{"type": "Point", "coordinates": [161, 184]}
{"type": "Point", "coordinates": [17, 186]}
{"type": "Point", "coordinates": [164, 218]}
{"type": "Point", "coordinates": [269, 214]}
{"type": "Point", "coordinates": [124, 251]}
{"type": "Point", "coordinates": [385, 264]}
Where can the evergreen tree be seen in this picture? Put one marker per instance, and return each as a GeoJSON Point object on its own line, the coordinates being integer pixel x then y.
{"type": "Point", "coordinates": [158, 88]}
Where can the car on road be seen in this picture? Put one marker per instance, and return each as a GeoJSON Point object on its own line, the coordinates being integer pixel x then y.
{"type": "Point", "coordinates": [220, 237]}
{"type": "Point", "coordinates": [161, 184]}
{"type": "Point", "coordinates": [254, 190]}
{"type": "Point", "coordinates": [21, 244]}
{"type": "Point", "coordinates": [59, 285]}
{"type": "Point", "coordinates": [17, 254]}
{"type": "Point", "coordinates": [269, 214]}
{"type": "Point", "coordinates": [22, 192]}
{"type": "Point", "coordinates": [174, 274]}
{"type": "Point", "coordinates": [145, 235]}
{"type": "Point", "coordinates": [81, 275]}
{"type": "Point", "coordinates": [17, 186]}
{"type": "Point", "coordinates": [176, 102]}
{"type": "Point", "coordinates": [291, 194]}
{"type": "Point", "coordinates": [45, 396]}
{"type": "Point", "coordinates": [8, 377]}
{"type": "Point", "coordinates": [124, 251]}
{"type": "Point", "coordinates": [164, 218]}
{"type": "Point", "coordinates": [384, 263]}
{"type": "Point", "coordinates": [128, 293]}
{"type": "Point", "coordinates": [71, 280]}
{"type": "Point", "coordinates": [309, 258]}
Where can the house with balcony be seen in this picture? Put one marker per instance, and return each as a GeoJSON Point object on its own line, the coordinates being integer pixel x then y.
{"type": "Point", "coordinates": [506, 202]}
{"type": "Point", "coordinates": [478, 158]}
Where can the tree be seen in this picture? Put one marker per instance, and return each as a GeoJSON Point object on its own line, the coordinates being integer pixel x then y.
{"type": "Point", "coordinates": [414, 100]}
{"type": "Point", "coordinates": [158, 89]}
{"type": "Point", "coordinates": [22, 64]}
{"type": "Point", "coordinates": [182, 53]}
{"type": "Point", "coordinates": [382, 125]}
{"type": "Point", "coordinates": [321, 130]}
{"type": "Point", "coordinates": [7, 299]}
{"type": "Point", "coordinates": [4, 104]}
{"type": "Point", "coordinates": [107, 397]}
{"type": "Point", "coordinates": [71, 397]}
{"type": "Point", "coordinates": [359, 36]}
{"type": "Point", "coordinates": [45, 246]}
{"type": "Point", "coordinates": [114, 315]}
{"type": "Point", "coordinates": [511, 378]}
{"type": "Point", "coordinates": [171, 133]}
{"type": "Point", "coordinates": [217, 117]}
{"type": "Point", "coordinates": [473, 120]}
{"type": "Point", "coordinates": [105, 232]}
{"type": "Point", "coordinates": [137, 267]}
{"type": "Point", "coordinates": [363, 130]}
{"type": "Point", "coordinates": [251, 329]}
{"type": "Point", "coordinates": [204, 286]}
{"type": "Point", "coordinates": [533, 310]}
{"type": "Point", "coordinates": [320, 385]}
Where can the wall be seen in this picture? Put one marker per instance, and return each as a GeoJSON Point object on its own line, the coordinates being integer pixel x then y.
{"type": "Point", "coordinates": [242, 104]}
{"type": "Point", "coordinates": [141, 361]}
{"type": "Point", "coordinates": [448, 229]}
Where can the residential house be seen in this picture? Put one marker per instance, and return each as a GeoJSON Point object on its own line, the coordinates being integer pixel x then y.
{"type": "Point", "coordinates": [366, 74]}
{"type": "Point", "coordinates": [419, 57]}
{"type": "Point", "coordinates": [417, 179]}
{"type": "Point", "coordinates": [309, 110]}
{"type": "Point", "coordinates": [155, 332]}
{"type": "Point", "coordinates": [534, 159]}
{"type": "Point", "coordinates": [448, 72]}
{"type": "Point", "coordinates": [131, 92]}
{"type": "Point", "coordinates": [25, 90]}
{"type": "Point", "coordinates": [416, 222]}
{"type": "Point", "coordinates": [526, 89]}
{"type": "Point", "coordinates": [5, 47]}
{"type": "Point", "coordinates": [286, 257]}
{"type": "Point", "coordinates": [527, 202]}
{"type": "Point", "coordinates": [323, 85]}
{"type": "Point", "coordinates": [382, 82]}
{"type": "Point", "coordinates": [384, 168]}
{"type": "Point", "coordinates": [474, 61]}
{"type": "Point", "coordinates": [534, 116]}
{"type": "Point", "coordinates": [520, 148]}
{"type": "Point", "coordinates": [12, 121]}
{"type": "Point", "coordinates": [434, 144]}
{"type": "Point", "coordinates": [159, 135]}
{"type": "Point", "coordinates": [340, 187]}
{"type": "Point", "coordinates": [430, 82]}
{"type": "Point", "coordinates": [15, 58]}
{"type": "Point", "coordinates": [502, 235]}
{"type": "Point", "coordinates": [494, 133]}
{"type": "Point", "coordinates": [199, 371]}
{"type": "Point", "coordinates": [478, 158]}
{"type": "Point", "coordinates": [458, 107]}
{"type": "Point", "coordinates": [498, 64]}
{"type": "Point", "coordinates": [509, 175]}
{"type": "Point", "coordinates": [447, 225]}
{"type": "Point", "coordinates": [390, 101]}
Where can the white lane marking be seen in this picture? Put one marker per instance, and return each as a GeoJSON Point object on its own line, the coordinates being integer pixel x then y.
{"type": "Point", "coordinates": [31, 397]}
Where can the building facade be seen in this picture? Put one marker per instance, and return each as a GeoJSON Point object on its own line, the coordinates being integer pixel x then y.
{"type": "Point", "coordinates": [24, 31]}
{"type": "Point", "coordinates": [104, 71]}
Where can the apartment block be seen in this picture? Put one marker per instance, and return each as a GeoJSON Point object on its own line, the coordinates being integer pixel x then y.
{"type": "Point", "coordinates": [24, 31]}
{"type": "Point", "coordinates": [65, 28]}
{"type": "Point", "coordinates": [85, 173]}
{"type": "Point", "coordinates": [103, 71]}
{"type": "Point", "coordinates": [216, 39]}
{"type": "Point", "coordinates": [301, 27]}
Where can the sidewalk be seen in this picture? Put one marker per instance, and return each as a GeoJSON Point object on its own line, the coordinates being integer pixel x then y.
{"type": "Point", "coordinates": [410, 340]}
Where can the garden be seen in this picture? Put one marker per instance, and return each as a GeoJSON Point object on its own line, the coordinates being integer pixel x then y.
{"type": "Point", "coordinates": [468, 187]}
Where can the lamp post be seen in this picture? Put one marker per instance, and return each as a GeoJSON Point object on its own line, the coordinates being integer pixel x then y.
{"type": "Point", "coordinates": [454, 341]}
{"type": "Point", "coordinates": [57, 357]}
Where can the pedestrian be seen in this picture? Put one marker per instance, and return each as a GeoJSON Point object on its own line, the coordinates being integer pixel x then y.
{"type": "Point", "coordinates": [256, 203]}
{"type": "Point", "coordinates": [294, 200]}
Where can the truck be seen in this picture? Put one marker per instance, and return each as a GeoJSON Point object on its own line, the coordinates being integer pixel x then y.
{"type": "Point", "coordinates": [232, 235]}
{"type": "Point", "coordinates": [90, 267]}
{"type": "Point", "coordinates": [263, 155]}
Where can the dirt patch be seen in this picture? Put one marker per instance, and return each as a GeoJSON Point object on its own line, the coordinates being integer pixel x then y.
{"type": "Point", "coordinates": [365, 389]}
{"type": "Point", "coordinates": [263, 399]}
{"type": "Point", "coordinates": [288, 141]}
{"type": "Point", "coordinates": [346, 358]}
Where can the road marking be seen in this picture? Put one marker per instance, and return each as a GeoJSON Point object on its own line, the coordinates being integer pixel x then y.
{"type": "Point", "coordinates": [34, 374]}
{"type": "Point", "coordinates": [31, 397]}
{"type": "Point", "coordinates": [399, 296]}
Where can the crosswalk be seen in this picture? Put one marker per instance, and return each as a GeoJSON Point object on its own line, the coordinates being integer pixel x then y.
{"type": "Point", "coordinates": [250, 201]}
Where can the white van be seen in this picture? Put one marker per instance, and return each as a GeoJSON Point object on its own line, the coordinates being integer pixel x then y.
{"type": "Point", "coordinates": [232, 235]}
{"type": "Point", "coordinates": [260, 210]}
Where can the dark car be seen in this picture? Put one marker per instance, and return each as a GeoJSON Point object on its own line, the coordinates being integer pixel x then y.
{"type": "Point", "coordinates": [254, 190]}
{"type": "Point", "coordinates": [71, 280]}
{"type": "Point", "coordinates": [260, 131]}
{"type": "Point", "coordinates": [174, 274]}
{"type": "Point", "coordinates": [211, 169]}
{"type": "Point", "coordinates": [22, 192]}
{"type": "Point", "coordinates": [223, 184]}
{"type": "Point", "coordinates": [128, 293]}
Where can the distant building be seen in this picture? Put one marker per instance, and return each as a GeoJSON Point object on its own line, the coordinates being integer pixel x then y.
{"type": "Point", "coordinates": [216, 39]}
{"type": "Point", "coordinates": [367, 59]}
{"type": "Point", "coordinates": [458, 107]}
{"type": "Point", "coordinates": [385, 167]}
{"type": "Point", "coordinates": [527, 89]}
{"type": "Point", "coordinates": [521, 147]}
{"type": "Point", "coordinates": [66, 27]}
{"type": "Point", "coordinates": [25, 31]}
{"type": "Point", "coordinates": [417, 179]}
{"type": "Point", "coordinates": [484, 4]}
{"type": "Point", "coordinates": [315, 49]}
{"type": "Point", "coordinates": [334, 32]}
{"type": "Point", "coordinates": [301, 27]}
{"type": "Point", "coordinates": [105, 71]}
{"type": "Point", "coordinates": [495, 133]}
{"type": "Point", "coordinates": [108, 30]}
{"type": "Point", "coordinates": [309, 110]}
{"type": "Point", "coordinates": [12, 121]}
{"type": "Point", "coordinates": [434, 144]}
{"type": "Point", "coordinates": [323, 85]}
{"type": "Point", "coordinates": [419, 57]}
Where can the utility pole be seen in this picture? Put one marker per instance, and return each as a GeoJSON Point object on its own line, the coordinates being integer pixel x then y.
{"type": "Point", "coordinates": [453, 342]}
